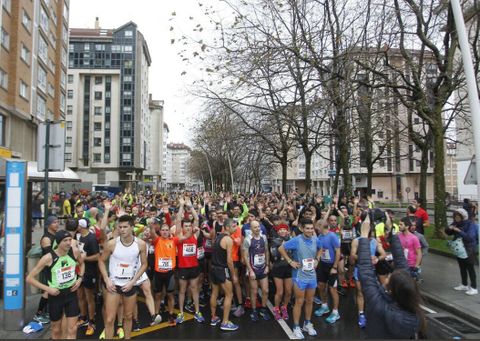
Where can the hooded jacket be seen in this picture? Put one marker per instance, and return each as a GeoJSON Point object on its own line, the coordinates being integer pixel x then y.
{"type": "Point", "coordinates": [468, 232]}
{"type": "Point", "coordinates": [386, 320]}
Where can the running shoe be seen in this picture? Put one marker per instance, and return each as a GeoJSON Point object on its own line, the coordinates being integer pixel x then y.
{"type": "Point", "coordinates": [41, 318]}
{"type": "Point", "coordinates": [471, 292]}
{"type": "Point", "coordinates": [82, 322]}
{"type": "Point", "coordinates": [215, 320]}
{"type": "Point", "coordinates": [352, 283]}
{"type": "Point", "coordinates": [322, 311]}
{"type": "Point", "coordinates": [317, 300]}
{"type": "Point", "coordinates": [229, 326]}
{"type": "Point", "coordinates": [264, 313]}
{"type": "Point", "coordinates": [248, 303]}
{"type": "Point", "coordinates": [276, 313]}
{"type": "Point", "coordinates": [180, 318]}
{"type": "Point", "coordinates": [102, 335]}
{"type": "Point", "coordinates": [90, 329]}
{"type": "Point", "coordinates": [344, 284]}
{"type": "Point", "coordinates": [254, 316]}
{"type": "Point", "coordinates": [298, 333]}
{"type": "Point", "coordinates": [136, 326]}
{"type": "Point", "coordinates": [199, 317]}
{"type": "Point", "coordinates": [362, 320]}
{"type": "Point", "coordinates": [308, 327]}
{"type": "Point", "coordinates": [189, 307]}
{"type": "Point", "coordinates": [171, 320]}
{"type": "Point", "coordinates": [156, 319]}
{"type": "Point", "coordinates": [334, 317]}
{"type": "Point", "coordinates": [120, 332]}
{"type": "Point", "coordinates": [461, 287]}
{"type": "Point", "coordinates": [239, 311]}
{"type": "Point", "coordinates": [284, 310]}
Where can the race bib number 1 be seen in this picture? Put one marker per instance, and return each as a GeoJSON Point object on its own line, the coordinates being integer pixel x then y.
{"type": "Point", "coordinates": [308, 264]}
{"type": "Point", "coordinates": [124, 271]}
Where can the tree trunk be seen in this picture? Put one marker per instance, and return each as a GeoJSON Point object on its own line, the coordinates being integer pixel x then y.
{"type": "Point", "coordinates": [284, 176]}
{"type": "Point", "coordinates": [423, 175]}
{"type": "Point", "coordinates": [308, 169]}
{"type": "Point", "coordinates": [369, 179]}
{"type": "Point", "coordinates": [439, 177]}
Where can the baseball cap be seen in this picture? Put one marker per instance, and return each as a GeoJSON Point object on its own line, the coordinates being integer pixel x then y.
{"type": "Point", "coordinates": [82, 223]}
{"type": "Point", "coordinates": [50, 220]}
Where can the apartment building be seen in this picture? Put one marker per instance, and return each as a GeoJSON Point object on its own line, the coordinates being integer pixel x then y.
{"type": "Point", "coordinates": [33, 66]}
{"type": "Point", "coordinates": [153, 174]}
{"type": "Point", "coordinates": [178, 155]}
{"type": "Point", "coordinates": [108, 105]}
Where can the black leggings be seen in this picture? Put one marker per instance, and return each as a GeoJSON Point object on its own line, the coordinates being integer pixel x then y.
{"type": "Point", "coordinates": [467, 268]}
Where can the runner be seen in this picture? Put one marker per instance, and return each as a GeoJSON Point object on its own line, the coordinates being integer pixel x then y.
{"type": "Point", "coordinates": [305, 249]}
{"type": "Point", "coordinates": [123, 254]}
{"type": "Point", "coordinates": [281, 273]}
{"type": "Point", "coordinates": [411, 246]}
{"type": "Point", "coordinates": [63, 283]}
{"type": "Point", "coordinates": [257, 258]}
{"type": "Point", "coordinates": [222, 275]}
{"type": "Point", "coordinates": [327, 272]}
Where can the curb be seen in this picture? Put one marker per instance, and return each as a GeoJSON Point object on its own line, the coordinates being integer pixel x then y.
{"type": "Point", "coordinates": [440, 302]}
{"type": "Point", "coordinates": [442, 253]}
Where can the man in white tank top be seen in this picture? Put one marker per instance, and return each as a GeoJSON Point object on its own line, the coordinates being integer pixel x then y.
{"type": "Point", "coordinates": [123, 273]}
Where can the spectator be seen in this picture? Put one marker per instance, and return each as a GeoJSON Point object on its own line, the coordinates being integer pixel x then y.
{"type": "Point", "coordinates": [422, 214]}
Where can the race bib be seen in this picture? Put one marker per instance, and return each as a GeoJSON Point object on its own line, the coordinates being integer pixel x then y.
{"type": "Point", "coordinates": [200, 253]}
{"type": "Point", "coordinates": [208, 243]}
{"type": "Point", "coordinates": [326, 255]}
{"type": "Point", "coordinates": [308, 264]}
{"type": "Point", "coordinates": [389, 257]}
{"type": "Point", "coordinates": [259, 260]}
{"type": "Point", "coordinates": [124, 271]}
{"type": "Point", "coordinates": [165, 264]}
{"type": "Point", "coordinates": [347, 234]}
{"type": "Point", "coordinates": [151, 249]}
{"type": "Point", "coordinates": [189, 250]}
{"type": "Point", "coordinates": [65, 275]}
{"type": "Point", "coordinates": [405, 253]}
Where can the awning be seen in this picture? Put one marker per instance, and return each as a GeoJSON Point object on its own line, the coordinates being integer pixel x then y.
{"type": "Point", "coordinates": [67, 175]}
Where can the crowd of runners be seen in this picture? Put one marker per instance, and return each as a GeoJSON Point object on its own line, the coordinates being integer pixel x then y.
{"type": "Point", "coordinates": [216, 254]}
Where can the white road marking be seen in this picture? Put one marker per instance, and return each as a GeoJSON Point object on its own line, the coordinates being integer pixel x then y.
{"type": "Point", "coordinates": [428, 310]}
{"type": "Point", "coordinates": [281, 322]}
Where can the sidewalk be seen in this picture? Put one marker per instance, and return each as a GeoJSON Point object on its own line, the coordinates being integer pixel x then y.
{"type": "Point", "coordinates": [440, 274]}
{"type": "Point", "coordinates": [31, 305]}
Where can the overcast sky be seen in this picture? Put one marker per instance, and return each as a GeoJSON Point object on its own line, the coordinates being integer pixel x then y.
{"type": "Point", "coordinates": [153, 18]}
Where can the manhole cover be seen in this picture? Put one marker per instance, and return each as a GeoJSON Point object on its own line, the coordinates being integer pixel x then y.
{"type": "Point", "coordinates": [456, 324]}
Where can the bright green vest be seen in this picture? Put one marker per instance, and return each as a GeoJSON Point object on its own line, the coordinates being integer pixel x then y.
{"type": "Point", "coordinates": [62, 271]}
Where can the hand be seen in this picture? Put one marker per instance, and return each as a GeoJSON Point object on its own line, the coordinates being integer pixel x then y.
{"type": "Point", "coordinates": [251, 275]}
{"type": "Point", "coordinates": [127, 287]}
{"type": "Point", "coordinates": [295, 265]}
{"type": "Point", "coordinates": [53, 291]}
{"type": "Point", "coordinates": [107, 204]}
{"type": "Point", "coordinates": [110, 286]}
{"type": "Point", "coordinates": [77, 285]}
{"type": "Point", "coordinates": [266, 270]}
{"type": "Point", "coordinates": [355, 201]}
{"type": "Point", "coordinates": [315, 263]}
{"type": "Point", "coordinates": [234, 279]}
{"type": "Point", "coordinates": [333, 271]}
{"type": "Point", "coordinates": [374, 260]}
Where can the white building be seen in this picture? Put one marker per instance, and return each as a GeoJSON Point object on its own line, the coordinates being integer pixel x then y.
{"type": "Point", "coordinates": [154, 172]}
{"type": "Point", "coordinates": [178, 156]}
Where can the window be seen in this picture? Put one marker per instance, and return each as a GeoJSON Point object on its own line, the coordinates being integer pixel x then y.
{"type": "Point", "coordinates": [65, 35]}
{"type": "Point", "coordinates": [3, 79]}
{"type": "Point", "coordinates": [382, 163]}
{"type": "Point", "coordinates": [68, 157]}
{"type": "Point", "coordinates": [62, 102]}
{"type": "Point", "coordinates": [99, 47]}
{"type": "Point", "coordinates": [68, 141]}
{"type": "Point", "coordinates": [71, 48]}
{"type": "Point", "coordinates": [98, 95]}
{"type": "Point", "coordinates": [97, 157]}
{"type": "Point", "coordinates": [51, 90]}
{"type": "Point", "coordinates": [43, 19]}
{"type": "Point", "coordinates": [70, 94]}
{"type": "Point", "coordinates": [64, 57]}
{"type": "Point", "coordinates": [97, 141]}
{"type": "Point", "coordinates": [128, 64]}
{"type": "Point", "coordinates": [5, 39]}
{"type": "Point", "coordinates": [69, 125]}
{"type": "Point", "coordinates": [23, 89]}
{"type": "Point", "coordinates": [126, 157]}
{"type": "Point", "coordinates": [127, 78]}
{"type": "Point", "coordinates": [128, 34]}
{"type": "Point", "coordinates": [65, 11]}
{"type": "Point", "coordinates": [42, 49]}
{"type": "Point", "coordinates": [128, 48]}
{"type": "Point", "coordinates": [107, 141]}
{"type": "Point", "coordinates": [98, 79]}
{"type": "Point", "coordinates": [127, 141]}
{"type": "Point", "coordinates": [106, 158]}
{"type": "Point", "coordinates": [86, 47]}
{"type": "Point", "coordinates": [42, 79]}
{"type": "Point", "coordinates": [127, 125]}
{"type": "Point", "coordinates": [380, 195]}
{"type": "Point", "coordinates": [70, 79]}
{"type": "Point", "coordinates": [69, 109]}
{"type": "Point", "coordinates": [41, 107]}
{"type": "Point", "coordinates": [97, 126]}
{"type": "Point", "coordinates": [416, 120]}
{"type": "Point", "coordinates": [98, 110]}
{"type": "Point", "coordinates": [25, 54]}
{"type": "Point", "coordinates": [26, 21]}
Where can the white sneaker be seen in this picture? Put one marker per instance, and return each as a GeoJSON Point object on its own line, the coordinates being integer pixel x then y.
{"type": "Point", "coordinates": [461, 287]}
{"type": "Point", "coordinates": [298, 333]}
{"type": "Point", "coordinates": [472, 292]}
{"type": "Point", "coordinates": [308, 327]}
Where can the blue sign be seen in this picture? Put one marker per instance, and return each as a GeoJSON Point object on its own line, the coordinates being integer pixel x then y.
{"type": "Point", "coordinates": [332, 172]}
{"type": "Point", "coordinates": [13, 275]}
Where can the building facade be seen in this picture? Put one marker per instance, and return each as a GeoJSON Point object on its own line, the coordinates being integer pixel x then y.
{"type": "Point", "coordinates": [178, 155]}
{"type": "Point", "coordinates": [33, 67]}
{"type": "Point", "coordinates": [153, 174]}
{"type": "Point", "coordinates": [108, 106]}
